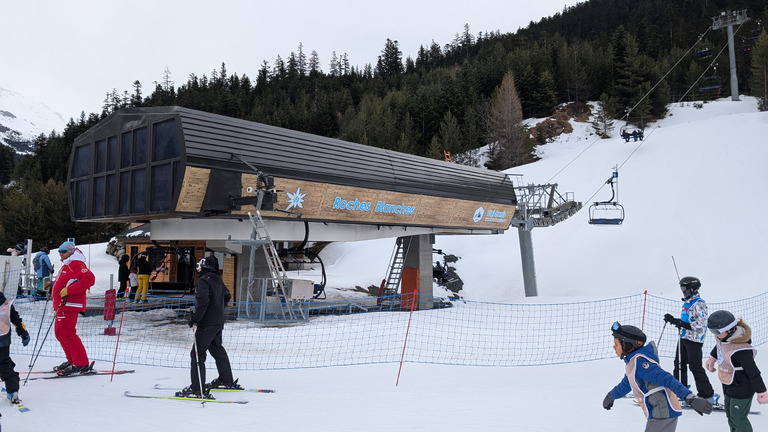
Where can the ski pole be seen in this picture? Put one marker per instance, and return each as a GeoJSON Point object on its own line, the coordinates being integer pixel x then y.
{"type": "Point", "coordinates": [40, 328]}
{"type": "Point", "coordinates": [42, 344]}
{"type": "Point", "coordinates": [117, 343]}
{"type": "Point", "coordinates": [658, 344]}
{"type": "Point", "coordinates": [197, 362]}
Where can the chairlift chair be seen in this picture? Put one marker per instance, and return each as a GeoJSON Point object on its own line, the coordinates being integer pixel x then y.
{"type": "Point", "coordinates": [608, 212]}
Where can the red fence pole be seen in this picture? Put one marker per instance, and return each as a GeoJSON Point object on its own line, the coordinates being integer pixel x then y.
{"type": "Point", "coordinates": [414, 301]}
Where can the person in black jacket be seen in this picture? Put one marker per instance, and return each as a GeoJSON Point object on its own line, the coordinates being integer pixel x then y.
{"type": "Point", "coordinates": [211, 298]}
{"type": "Point", "coordinates": [8, 316]}
{"type": "Point", "coordinates": [735, 359]}
{"type": "Point", "coordinates": [122, 275]}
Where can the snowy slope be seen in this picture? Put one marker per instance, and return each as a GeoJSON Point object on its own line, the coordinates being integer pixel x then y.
{"type": "Point", "coordinates": [23, 119]}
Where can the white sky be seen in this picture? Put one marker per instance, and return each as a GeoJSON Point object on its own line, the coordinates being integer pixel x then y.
{"type": "Point", "coordinates": [68, 55]}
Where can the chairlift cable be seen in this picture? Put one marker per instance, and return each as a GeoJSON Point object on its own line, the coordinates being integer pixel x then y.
{"type": "Point", "coordinates": [626, 115]}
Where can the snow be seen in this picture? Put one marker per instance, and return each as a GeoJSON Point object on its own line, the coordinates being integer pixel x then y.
{"type": "Point", "coordinates": [29, 118]}
{"type": "Point", "coordinates": [691, 191]}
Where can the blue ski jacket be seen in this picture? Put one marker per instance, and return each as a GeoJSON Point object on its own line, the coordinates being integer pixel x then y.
{"type": "Point", "coordinates": [652, 381]}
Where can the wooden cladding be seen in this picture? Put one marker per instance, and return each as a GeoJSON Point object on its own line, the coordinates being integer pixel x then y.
{"type": "Point", "coordinates": [337, 203]}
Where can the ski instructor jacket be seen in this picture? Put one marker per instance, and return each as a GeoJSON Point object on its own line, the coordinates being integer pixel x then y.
{"type": "Point", "coordinates": [76, 277]}
{"type": "Point", "coordinates": [211, 298]}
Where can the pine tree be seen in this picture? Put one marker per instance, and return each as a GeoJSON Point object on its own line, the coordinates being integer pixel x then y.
{"type": "Point", "coordinates": [602, 124]}
{"type": "Point", "coordinates": [505, 126]}
{"type": "Point", "coordinates": [759, 67]}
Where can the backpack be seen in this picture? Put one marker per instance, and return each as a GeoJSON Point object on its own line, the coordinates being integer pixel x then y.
{"type": "Point", "coordinates": [36, 262]}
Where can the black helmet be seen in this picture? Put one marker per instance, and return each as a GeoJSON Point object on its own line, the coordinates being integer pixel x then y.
{"type": "Point", "coordinates": [631, 337]}
{"type": "Point", "coordinates": [721, 321]}
{"type": "Point", "coordinates": [690, 285]}
{"type": "Point", "coordinates": [206, 263]}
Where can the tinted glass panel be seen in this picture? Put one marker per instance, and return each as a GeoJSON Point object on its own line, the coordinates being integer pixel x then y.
{"type": "Point", "coordinates": [140, 146]}
{"type": "Point", "coordinates": [98, 196]}
{"type": "Point", "coordinates": [161, 188]}
{"type": "Point", "coordinates": [101, 156]}
{"type": "Point", "coordinates": [81, 164]}
{"type": "Point", "coordinates": [111, 153]}
{"type": "Point", "coordinates": [166, 141]}
{"type": "Point", "coordinates": [81, 199]}
{"type": "Point", "coordinates": [125, 193]}
{"type": "Point", "coordinates": [125, 159]}
{"type": "Point", "coordinates": [109, 207]}
{"type": "Point", "coordinates": [137, 191]}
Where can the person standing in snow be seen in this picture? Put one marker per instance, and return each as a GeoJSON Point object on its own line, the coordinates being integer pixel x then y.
{"type": "Point", "coordinates": [211, 298]}
{"type": "Point", "coordinates": [692, 325]}
{"type": "Point", "coordinates": [736, 368]}
{"type": "Point", "coordinates": [122, 276]}
{"type": "Point", "coordinates": [10, 377]}
{"type": "Point", "coordinates": [145, 270]}
{"type": "Point", "coordinates": [69, 295]}
{"type": "Point", "coordinates": [43, 269]}
{"type": "Point", "coordinates": [655, 389]}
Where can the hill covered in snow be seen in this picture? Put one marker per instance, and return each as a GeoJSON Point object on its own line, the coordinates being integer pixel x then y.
{"type": "Point", "coordinates": [23, 119]}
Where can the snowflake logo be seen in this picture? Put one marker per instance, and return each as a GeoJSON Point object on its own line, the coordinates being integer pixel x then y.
{"type": "Point", "coordinates": [295, 199]}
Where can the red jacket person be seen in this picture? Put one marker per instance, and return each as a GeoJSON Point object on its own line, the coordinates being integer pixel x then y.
{"type": "Point", "coordinates": [68, 295]}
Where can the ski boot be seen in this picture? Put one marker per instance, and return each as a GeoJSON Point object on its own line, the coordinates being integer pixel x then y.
{"type": "Point", "coordinates": [61, 366]}
{"type": "Point", "coordinates": [189, 392]}
{"type": "Point", "coordinates": [72, 370]}
{"type": "Point", "coordinates": [218, 384]}
{"type": "Point", "coordinates": [13, 398]}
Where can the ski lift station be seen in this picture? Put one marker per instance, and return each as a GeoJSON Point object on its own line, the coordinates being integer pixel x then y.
{"type": "Point", "coordinates": [204, 181]}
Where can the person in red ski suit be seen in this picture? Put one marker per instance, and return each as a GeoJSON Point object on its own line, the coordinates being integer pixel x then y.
{"type": "Point", "coordinates": [68, 297]}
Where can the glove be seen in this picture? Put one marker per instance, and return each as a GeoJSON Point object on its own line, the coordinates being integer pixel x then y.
{"type": "Point", "coordinates": [47, 286]}
{"type": "Point", "coordinates": [700, 405]}
{"type": "Point", "coordinates": [190, 323]}
{"type": "Point", "coordinates": [710, 365]}
{"type": "Point", "coordinates": [63, 292]}
{"type": "Point", "coordinates": [25, 340]}
{"type": "Point", "coordinates": [669, 318]}
{"type": "Point", "coordinates": [608, 402]}
{"type": "Point", "coordinates": [762, 398]}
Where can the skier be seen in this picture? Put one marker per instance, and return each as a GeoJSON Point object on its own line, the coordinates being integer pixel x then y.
{"type": "Point", "coordinates": [8, 316]}
{"type": "Point", "coordinates": [654, 388]}
{"type": "Point", "coordinates": [693, 326]}
{"type": "Point", "coordinates": [211, 298]}
{"type": "Point", "coordinates": [68, 295]}
{"type": "Point", "coordinates": [736, 368]}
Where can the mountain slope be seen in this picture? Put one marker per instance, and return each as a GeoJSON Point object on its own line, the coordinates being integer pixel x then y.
{"type": "Point", "coordinates": [23, 119]}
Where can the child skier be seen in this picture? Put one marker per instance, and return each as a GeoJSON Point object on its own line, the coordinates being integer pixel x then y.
{"type": "Point", "coordinates": [654, 388]}
{"type": "Point", "coordinates": [8, 316]}
{"type": "Point", "coordinates": [693, 326]}
{"type": "Point", "coordinates": [736, 368]}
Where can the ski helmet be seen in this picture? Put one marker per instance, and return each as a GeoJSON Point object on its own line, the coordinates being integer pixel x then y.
{"type": "Point", "coordinates": [631, 337]}
{"type": "Point", "coordinates": [721, 321]}
{"type": "Point", "coordinates": [690, 286]}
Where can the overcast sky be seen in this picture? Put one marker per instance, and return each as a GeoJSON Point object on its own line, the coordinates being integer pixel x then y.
{"type": "Point", "coordinates": [69, 54]}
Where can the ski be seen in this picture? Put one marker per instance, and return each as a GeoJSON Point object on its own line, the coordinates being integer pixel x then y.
{"type": "Point", "coordinates": [147, 396]}
{"type": "Point", "coordinates": [164, 387]}
{"type": "Point", "coordinates": [716, 407]}
{"type": "Point", "coordinates": [19, 407]}
{"type": "Point", "coordinates": [89, 373]}
{"type": "Point", "coordinates": [105, 371]}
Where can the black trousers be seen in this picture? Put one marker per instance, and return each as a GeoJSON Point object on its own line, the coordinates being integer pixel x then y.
{"type": "Point", "coordinates": [688, 357]}
{"type": "Point", "coordinates": [208, 339]}
{"type": "Point", "coordinates": [7, 374]}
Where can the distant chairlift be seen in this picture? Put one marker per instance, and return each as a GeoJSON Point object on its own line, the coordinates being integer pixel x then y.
{"type": "Point", "coordinates": [608, 212]}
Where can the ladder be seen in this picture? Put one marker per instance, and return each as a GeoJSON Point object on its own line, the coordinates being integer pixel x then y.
{"type": "Point", "coordinates": [276, 270]}
{"type": "Point", "coordinates": [447, 156]}
{"type": "Point", "coordinates": [395, 270]}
